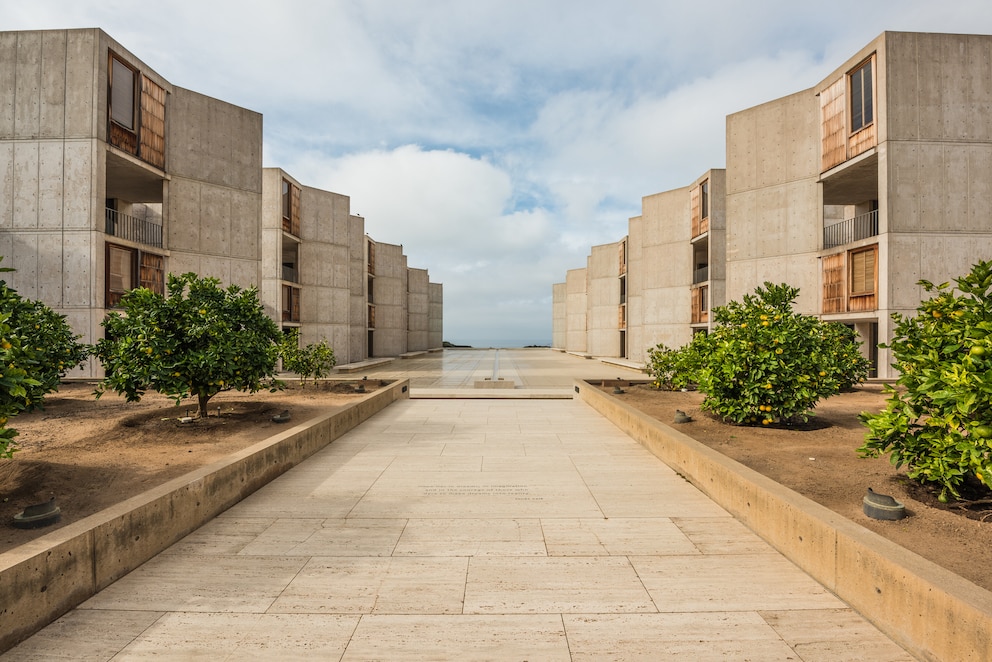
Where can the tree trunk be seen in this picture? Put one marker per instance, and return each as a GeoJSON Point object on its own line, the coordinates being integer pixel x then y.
{"type": "Point", "coordinates": [202, 400]}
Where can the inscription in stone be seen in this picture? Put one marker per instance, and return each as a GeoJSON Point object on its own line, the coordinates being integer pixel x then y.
{"type": "Point", "coordinates": [518, 492]}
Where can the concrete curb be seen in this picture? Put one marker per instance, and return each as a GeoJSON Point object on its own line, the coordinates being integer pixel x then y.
{"type": "Point", "coordinates": [931, 612]}
{"type": "Point", "coordinates": [43, 579]}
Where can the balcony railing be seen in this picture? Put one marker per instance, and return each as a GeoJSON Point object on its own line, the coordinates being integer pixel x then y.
{"type": "Point", "coordinates": [290, 274]}
{"type": "Point", "coordinates": [133, 229]}
{"type": "Point", "coordinates": [700, 275]}
{"type": "Point", "coordinates": [851, 230]}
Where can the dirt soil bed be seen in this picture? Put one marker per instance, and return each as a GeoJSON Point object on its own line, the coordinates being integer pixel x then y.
{"type": "Point", "coordinates": [821, 464]}
{"type": "Point", "coordinates": [90, 454]}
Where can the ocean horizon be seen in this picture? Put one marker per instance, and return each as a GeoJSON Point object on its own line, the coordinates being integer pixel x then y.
{"type": "Point", "coordinates": [500, 344]}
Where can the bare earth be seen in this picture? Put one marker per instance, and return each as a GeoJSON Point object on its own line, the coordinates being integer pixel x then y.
{"type": "Point", "coordinates": [92, 454]}
{"type": "Point", "coordinates": [822, 465]}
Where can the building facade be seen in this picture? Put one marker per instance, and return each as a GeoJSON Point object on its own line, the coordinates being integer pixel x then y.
{"type": "Point", "coordinates": [852, 190]}
{"type": "Point", "coordinates": [111, 177]}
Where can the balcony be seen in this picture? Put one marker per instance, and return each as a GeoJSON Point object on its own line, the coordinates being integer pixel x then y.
{"type": "Point", "coordinates": [851, 230]}
{"type": "Point", "coordinates": [700, 275]}
{"type": "Point", "coordinates": [133, 229]}
{"type": "Point", "coordinates": [290, 274]}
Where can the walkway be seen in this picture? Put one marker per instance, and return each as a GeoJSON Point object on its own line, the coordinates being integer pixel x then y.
{"type": "Point", "coordinates": [468, 529]}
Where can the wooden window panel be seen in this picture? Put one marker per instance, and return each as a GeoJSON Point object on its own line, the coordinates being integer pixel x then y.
{"type": "Point", "coordinates": [296, 201]}
{"type": "Point", "coordinates": [834, 292]}
{"type": "Point", "coordinates": [694, 213]}
{"type": "Point", "coordinates": [833, 131]}
{"type": "Point", "coordinates": [863, 272]}
{"type": "Point", "coordinates": [152, 143]}
{"type": "Point", "coordinates": [700, 305]}
{"type": "Point", "coordinates": [120, 273]}
{"type": "Point", "coordinates": [152, 272]}
{"type": "Point", "coordinates": [291, 197]}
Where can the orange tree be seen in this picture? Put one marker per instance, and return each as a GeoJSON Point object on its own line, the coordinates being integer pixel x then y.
{"type": "Point", "coordinates": [765, 363]}
{"type": "Point", "coordinates": [312, 361]}
{"type": "Point", "coordinates": [37, 349]}
{"type": "Point", "coordinates": [197, 341]}
{"type": "Point", "coordinates": [938, 423]}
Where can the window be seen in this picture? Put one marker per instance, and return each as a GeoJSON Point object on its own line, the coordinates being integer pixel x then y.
{"type": "Point", "coordinates": [704, 199]}
{"type": "Point", "coordinates": [120, 272]}
{"type": "Point", "coordinates": [122, 95]}
{"type": "Point", "coordinates": [287, 201]}
{"type": "Point", "coordinates": [128, 268]}
{"type": "Point", "coordinates": [862, 272]}
{"type": "Point", "coordinates": [862, 113]}
{"type": "Point", "coordinates": [291, 208]}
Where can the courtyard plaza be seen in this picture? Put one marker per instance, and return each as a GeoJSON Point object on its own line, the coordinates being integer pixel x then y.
{"type": "Point", "coordinates": [471, 523]}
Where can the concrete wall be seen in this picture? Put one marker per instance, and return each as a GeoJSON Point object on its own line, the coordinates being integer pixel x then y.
{"type": "Point", "coordinates": [575, 302]}
{"type": "Point", "coordinates": [717, 239]}
{"type": "Point", "coordinates": [435, 320]}
{"type": "Point", "coordinates": [214, 205]}
{"type": "Point", "coordinates": [418, 310]}
{"type": "Point", "coordinates": [603, 300]}
{"type": "Point", "coordinates": [390, 298]}
{"type": "Point", "coordinates": [773, 212]}
{"type": "Point", "coordinates": [327, 270]}
{"type": "Point", "coordinates": [659, 273]}
{"type": "Point", "coordinates": [559, 315]}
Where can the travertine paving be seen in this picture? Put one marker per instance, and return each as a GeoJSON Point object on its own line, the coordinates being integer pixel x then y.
{"type": "Point", "coordinates": [467, 529]}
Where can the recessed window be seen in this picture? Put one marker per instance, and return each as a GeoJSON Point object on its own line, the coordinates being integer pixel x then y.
{"type": "Point", "coordinates": [862, 272]}
{"type": "Point", "coordinates": [122, 94]}
{"type": "Point", "coordinates": [128, 268]}
{"type": "Point", "coordinates": [862, 110]}
{"type": "Point", "coordinates": [704, 199]}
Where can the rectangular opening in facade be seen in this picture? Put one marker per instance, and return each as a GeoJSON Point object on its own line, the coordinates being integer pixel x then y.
{"type": "Point", "coordinates": [128, 268]}
{"type": "Point", "coordinates": [862, 101]}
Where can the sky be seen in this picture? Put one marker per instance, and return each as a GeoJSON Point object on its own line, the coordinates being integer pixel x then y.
{"type": "Point", "coordinates": [496, 140]}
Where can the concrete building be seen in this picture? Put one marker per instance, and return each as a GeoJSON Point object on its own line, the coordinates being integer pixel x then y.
{"type": "Point", "coordinates": [111, 177]}
{"type": "Point", "coordinates": [852, 190]}
{"type": "Point", "coordinates": [313, 264]}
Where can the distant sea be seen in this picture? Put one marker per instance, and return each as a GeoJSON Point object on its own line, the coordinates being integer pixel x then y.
{"type": "Point", "coordinates": [507, 344]}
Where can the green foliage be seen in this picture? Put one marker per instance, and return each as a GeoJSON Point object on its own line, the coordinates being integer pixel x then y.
{"type": "Point", "coordinates": [764, 362]}
{"type": "Point", "coordinates": [199, 340]}
{"type": "Point", "coordinates": [939, 423]}
{"type": "Point", "coordinates": [37, 349]}
{"type": "Point", "coordinates": [310, 362]}
{"type": "Point", "coordinates": [675, 369]}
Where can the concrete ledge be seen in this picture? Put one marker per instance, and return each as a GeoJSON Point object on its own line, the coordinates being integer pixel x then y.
{"type": "Point", "coordinates": [491, 394]}
{"type": "Point", "coordinates": [495, 383]}
{"type": "Point", "coordinates": [931, 612]}
{"type": "Point", "coordinates": [623, 363]}
{"type": "Point", "coordinates": [43, 579]}
{"type": "Point", "coordinates": [363, 365]}
{"type": "Point", "coordinates": [410, 355]}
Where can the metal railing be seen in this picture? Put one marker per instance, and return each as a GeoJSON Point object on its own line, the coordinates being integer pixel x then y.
{"type": "Point", "coordinates": [133, 229]}
{"type": "Point", "coordinates": [701, 275]}
{"type": "Point", "coordinates": [851, 230]}
{"type": "Point", "coordinates": [290, 274]}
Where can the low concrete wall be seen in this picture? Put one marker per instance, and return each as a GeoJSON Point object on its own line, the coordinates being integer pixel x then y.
{"type": "Point", "coordinates": [933, 613]}
{"type": "Point", "coordinates": [43, 579]}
